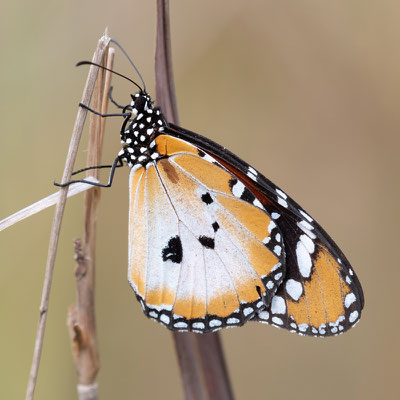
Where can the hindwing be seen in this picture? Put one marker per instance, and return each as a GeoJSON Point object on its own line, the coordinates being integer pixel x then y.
{"type": "Point", "coordinates": [320, 295]}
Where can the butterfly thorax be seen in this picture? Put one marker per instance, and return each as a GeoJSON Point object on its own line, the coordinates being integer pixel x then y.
{"type": "Point", "coordinates": [138, 134]}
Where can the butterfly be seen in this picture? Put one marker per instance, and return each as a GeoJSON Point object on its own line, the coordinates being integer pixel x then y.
{"type": "Point", "coordinates": [213, 243]}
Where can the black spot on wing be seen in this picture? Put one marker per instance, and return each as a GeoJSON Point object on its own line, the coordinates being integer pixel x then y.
{"type": "Point", "coordinates": [206, 197]}
{"type": "Point", "coordinates": [173, 250]}
{"type": "Point", "coordinates": [247, 196]}
{"type": "Point", "coordinates": [207, 242]}
{"type": "Point", "coordinates": [232, 182]}
{"type": "Point", "coordinates": [201, 153]}
{"type": "Point", "coordinates": [215, 226]}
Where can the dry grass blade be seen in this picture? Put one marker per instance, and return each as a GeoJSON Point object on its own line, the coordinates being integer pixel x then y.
{"type": "Point", "coordinates": [44, 203]}
{"type": "Point", "coordinates": [201, 359]}
{"type": "Point", "coordinates": [56, 226]}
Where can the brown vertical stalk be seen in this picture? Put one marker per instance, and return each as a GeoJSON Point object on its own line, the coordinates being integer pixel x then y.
{"type": "Point", "coordinates": [58, 216]}
{"type": "Point", "coordinates": [200, 356]}
{"type": "Point", "coordinates": [81, 316]}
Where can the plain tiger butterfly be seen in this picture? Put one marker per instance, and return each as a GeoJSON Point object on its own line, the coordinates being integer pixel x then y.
{"type": "Point", "coordinates": [213, 243]}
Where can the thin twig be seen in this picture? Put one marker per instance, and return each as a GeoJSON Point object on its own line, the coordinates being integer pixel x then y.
{"type": "Point", "coordinates": [44, 203]}
{"type": "Point", "coordinates": [55, 230]}
{"type": "Point", "coordinates": [81, 317]}
{"type": "Point", "coordinates": [200, 356]}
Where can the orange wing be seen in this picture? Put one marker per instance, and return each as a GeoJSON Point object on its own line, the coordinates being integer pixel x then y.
{"type": "Point", "coordinates": [200, 256]}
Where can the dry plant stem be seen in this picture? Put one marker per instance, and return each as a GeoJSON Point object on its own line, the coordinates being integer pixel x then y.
{"type": "Point", "coordinates": [165, 86]}
{"type": "Point", "coordinates": [200, 356]}
{"type": "Point", "coordinates": [56, 226]}
{"type": "Point", "coordinates": [81, 317]}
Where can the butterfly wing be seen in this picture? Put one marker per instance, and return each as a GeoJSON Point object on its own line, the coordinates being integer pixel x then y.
{"type": "Point", "coordinates": [203, 251]}
{"type": "Point", "coordinates": [320, 294]}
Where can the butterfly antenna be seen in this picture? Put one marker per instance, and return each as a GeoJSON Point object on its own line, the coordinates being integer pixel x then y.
{"type": "Point", "coordinates": [133, 65]}
{"type": "Point", "coordinates": [107, 69]}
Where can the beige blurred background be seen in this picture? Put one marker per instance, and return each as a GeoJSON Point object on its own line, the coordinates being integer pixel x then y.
{"type": "Point", "coordinates": [307, 92]}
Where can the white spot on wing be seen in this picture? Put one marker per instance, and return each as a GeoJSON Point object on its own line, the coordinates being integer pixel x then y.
{"type": "Point", "coordinates": [164, 318]}
{"type": "Point", "coordinates": [308, 243]}
{"type": "Point", "coordinates": [252, 171]}
{"type": "Point", "coordinates": [306, 231]}
{"type": "Point", "coordinates": [353, 316]}
{"type": "Point", "coordinates": [180, 324]}
{"type": "Point", "coordinates": [278, 305]}
{"type": "Point", "coordinates": [270, 285]}
{"type": "Point", "coordinates": [238, 188]}
{"type": "Point", "coordinates": [349, 300]}
{"type": "Point", "coordinates": [303, 260]}
{"type": "Point", "coordinates": [153, 314]}
{"type": "Point", "coordinates": [247, 311]}
{"type": "Point", "coordinates": [306, 225]}
{"type": "Point", "coordinates": [271, 226]}
{"type": "Point", "coordinates": [294, 289]}
{"type": "Point", "coordinates": [303, 327]}
{"type": "Point", "coordinates": [282, 194]}
{"type": "Point", "coordinates": [257, 203]}
{"type": "Point", "coordinates": [264, 315]}
{"type": "Point", "coordinates": [278, 276]}
{"type": "Point", "coordinates": [282, 202]}
{"type": "Point", "coordinates": [306, 216]}
{"type": "Point", "coordinates": [277, 250]}
{"type": "Point", "coordinates": [277, 321]}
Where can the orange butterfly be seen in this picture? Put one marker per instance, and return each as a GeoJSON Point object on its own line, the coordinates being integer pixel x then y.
{"type": "Point", "coordinates": [214, 244]}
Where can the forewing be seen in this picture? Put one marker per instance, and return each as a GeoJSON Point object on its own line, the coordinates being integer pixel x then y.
{"type": "Point", "coordinates": [203, 252]}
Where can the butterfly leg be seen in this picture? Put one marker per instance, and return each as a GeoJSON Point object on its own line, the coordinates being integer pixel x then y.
{"type": "Point", "coordinates": [95, 167]}
{"type": "Point", "coordinates": [116, 164]}
{"type": "Point", "coordinates": [104, 115]}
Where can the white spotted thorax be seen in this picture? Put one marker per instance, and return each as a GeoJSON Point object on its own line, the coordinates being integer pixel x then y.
{"type": "Point", "coordinates": [138, 138]}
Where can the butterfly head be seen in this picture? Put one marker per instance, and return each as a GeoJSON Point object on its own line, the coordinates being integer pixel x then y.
{"type": "Point", "coordinates": [141, 102]}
